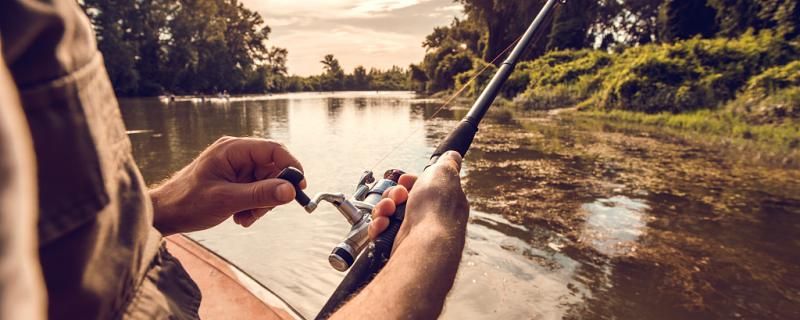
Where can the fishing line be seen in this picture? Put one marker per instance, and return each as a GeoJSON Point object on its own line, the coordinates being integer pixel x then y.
{"type": "Point", "coordinates": [537, 37]}
{"type": "Point", "coordinates": [446, 103]}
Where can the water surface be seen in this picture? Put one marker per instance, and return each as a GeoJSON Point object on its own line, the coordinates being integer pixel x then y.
{"type": "Point", "coordinates": [571, 218]}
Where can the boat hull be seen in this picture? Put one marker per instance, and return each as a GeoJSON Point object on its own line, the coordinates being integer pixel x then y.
{"type": "Point", "coordinates": [228, 292]}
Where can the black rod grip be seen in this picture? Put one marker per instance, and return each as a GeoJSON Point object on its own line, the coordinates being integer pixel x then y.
{"type": "Point", "coordinates": [458, 140]}
{"type": "Point", "coordinates": [295, 176]}
{"type": "Point", "coordinates": [366, 267]}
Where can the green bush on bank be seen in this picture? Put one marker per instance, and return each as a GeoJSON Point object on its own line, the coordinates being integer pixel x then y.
{"type": "Point", "coordinates": [679, 77]}
{"type": "Point", "coordinates": [689, 75]}
{"type": "Point", "coordinates": [558, 79]}
{"type": "Point", "coordinates": [771, 96]}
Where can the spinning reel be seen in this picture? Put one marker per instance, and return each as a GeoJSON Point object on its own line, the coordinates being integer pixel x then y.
{"type": "Point", "coordinates": [356, 210]}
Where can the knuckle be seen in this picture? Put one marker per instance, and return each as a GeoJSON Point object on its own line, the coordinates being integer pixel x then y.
{"type": "Point", "coordinates": [259, 194]}
{"type": "Point", "coordinates": [223, 139]}
{"type": "Point", "coordinates": [274, 143]}
{"type": "Point", "coordinates": [447, 169]}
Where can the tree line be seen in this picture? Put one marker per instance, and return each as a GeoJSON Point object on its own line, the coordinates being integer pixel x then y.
{"type": "Point", "coordinates": [608, 25]}
{"type": "Point", "coordinates": [154, 47]}
{"type": "Point", "coordinates": [334, 78]}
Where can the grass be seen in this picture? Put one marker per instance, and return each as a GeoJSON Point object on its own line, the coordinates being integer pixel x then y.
{"type": "Point", "coordinates": [785, 135]}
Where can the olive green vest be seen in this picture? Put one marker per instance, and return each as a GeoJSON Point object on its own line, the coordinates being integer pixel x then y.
{"type": "Point", "coordinates": [100, 255]}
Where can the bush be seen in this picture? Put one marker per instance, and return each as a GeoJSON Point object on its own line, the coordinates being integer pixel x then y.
{"type": "Point", "coordinates": [558, 79]}
{"type": "Point", "coordinates": [775, 79]}
{"type": "Point", "coordinates": [482, 79]}
{"type": "Point", "coordinates": [689, 75]}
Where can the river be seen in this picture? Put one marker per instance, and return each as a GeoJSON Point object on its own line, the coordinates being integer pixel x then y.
{"type": "Point", "coordinates": [571, 218]}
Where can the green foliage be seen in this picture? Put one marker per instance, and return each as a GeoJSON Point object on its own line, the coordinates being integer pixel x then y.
{"type": "Point", "coordinates": [775, 79]}
{"type": "Point", "coordinates": [785, 134]}
{"type": "Point", "coordinates": [334, 78]}
{"type": "Point", "coordinates": [562, 78]}
{"type": "Point", "coordinates": [757, 76]}
{"type": "Point", "coordinates": [735, 17]}
{"type": "Point", "coordinates": [571, 25]}
{"type": "Point", "coordinates": [684, 19]}
{"type": "Point", "coordinates": [688, 75]}
{"type": "Point", "coordinates": [180, 46]}
{"type": "Point", "coordinates": [499, 20]}
{"type": "Point", "coordinates": [773, 96]}
{"type": "Point", "coordinates": [481, 72]}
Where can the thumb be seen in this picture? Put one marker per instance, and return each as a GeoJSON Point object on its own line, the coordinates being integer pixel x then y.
{"type": "Point", "coordinates": [262, 194]}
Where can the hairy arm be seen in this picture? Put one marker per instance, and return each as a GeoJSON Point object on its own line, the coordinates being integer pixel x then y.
{"type": "Point", "coordinates": [415, 282]}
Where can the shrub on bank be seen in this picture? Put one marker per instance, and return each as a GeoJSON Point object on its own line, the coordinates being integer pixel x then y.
{"type": "Point", "coordinates": [772, 96]}
{"type": "Point", "coordinates": [559, 79]}
{"type": "Point", "coordinates": [689, 75]}
{"type": "Point", "coordinates": [679, 77]}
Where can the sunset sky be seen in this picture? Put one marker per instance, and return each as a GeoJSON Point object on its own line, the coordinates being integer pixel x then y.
{"type": "Point", "coordinates": [372, 33]}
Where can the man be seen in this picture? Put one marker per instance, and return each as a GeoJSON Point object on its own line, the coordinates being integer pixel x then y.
{"type": "Point", "coordinates": [69, 187]}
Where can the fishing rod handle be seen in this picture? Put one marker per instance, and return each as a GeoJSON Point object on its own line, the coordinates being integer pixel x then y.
{"type": "Point", "coordinates": [382, 245]}
{"type": "Point", "coordinates": [459, 140]}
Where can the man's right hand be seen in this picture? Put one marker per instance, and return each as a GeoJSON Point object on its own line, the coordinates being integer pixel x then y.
{"type": "Point", "coordinates": [436, 199]}
{"type": "Point", "coordinates": [427, 250]}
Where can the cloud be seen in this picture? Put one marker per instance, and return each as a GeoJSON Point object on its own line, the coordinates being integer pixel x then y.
{"type": "Point", "coordinates": [323, 9]}
{"type": "Point", "coordinates": [372, 33]}
{"type": "Point", "coordinates": [352, 46]}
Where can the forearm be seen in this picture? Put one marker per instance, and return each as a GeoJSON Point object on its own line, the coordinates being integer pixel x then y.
{"type": "Point", "coordinates": [167, 199]}
{"type": "Point", "coordinates": [415, 282]}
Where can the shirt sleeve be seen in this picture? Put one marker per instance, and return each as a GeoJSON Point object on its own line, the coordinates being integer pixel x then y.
{"type": "Point", "coordinates": [22, 291]}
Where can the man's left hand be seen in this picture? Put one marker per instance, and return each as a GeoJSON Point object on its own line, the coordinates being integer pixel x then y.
{"type": "Point", "coordinates": [232, 177]}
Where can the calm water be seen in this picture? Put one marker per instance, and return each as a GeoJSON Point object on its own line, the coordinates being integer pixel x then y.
{"type": "Point", "coordinates": [572, 218]}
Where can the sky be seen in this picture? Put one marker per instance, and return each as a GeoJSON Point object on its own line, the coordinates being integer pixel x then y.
{"type": "Point", "coordinates": [372, 33]}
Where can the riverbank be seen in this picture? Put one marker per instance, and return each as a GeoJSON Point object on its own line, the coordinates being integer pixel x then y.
{"type": "Point", "coordinates": [719, 125]}
{"type": "Point", "coordinates": [743, 90]}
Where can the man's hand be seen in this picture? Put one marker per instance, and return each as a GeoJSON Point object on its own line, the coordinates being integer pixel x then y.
{"type": "Point", "coordinates": [233, 177]}
{"type": "Point", "coordinates": [427, 249]}
{"type": "Point", "coordinates": [436, 199]}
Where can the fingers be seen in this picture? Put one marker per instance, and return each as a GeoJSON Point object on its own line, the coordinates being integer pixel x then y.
{"type": "Point", "coordinates": [259, 194]}
{"type": "Point", "coordinates": [398, 194]}
{"type": "Point", "coordinates": [249, 217]}
{"type": "Point", "coordinates": [267, 156]}
{"type": "Point", "coordinates": [407, 180]}
{"type": "Point", "coordinates": [380, 214]}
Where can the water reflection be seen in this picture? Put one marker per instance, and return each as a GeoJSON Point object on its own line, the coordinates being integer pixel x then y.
{"type": "Point", "coordinates": [614, 225]}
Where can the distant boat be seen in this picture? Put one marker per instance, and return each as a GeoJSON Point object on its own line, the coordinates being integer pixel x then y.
{"type": "Point", "coordinates": [228, 292]}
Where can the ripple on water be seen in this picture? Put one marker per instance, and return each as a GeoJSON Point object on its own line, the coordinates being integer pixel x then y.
{"type": "Point", "coordinates": [503, 276]}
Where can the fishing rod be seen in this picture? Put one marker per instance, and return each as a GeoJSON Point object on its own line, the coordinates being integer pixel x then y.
{"type": "Point", "coordinates": [357, 209]}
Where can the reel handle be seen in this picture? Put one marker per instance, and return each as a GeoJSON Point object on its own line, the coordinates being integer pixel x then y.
{"type": "Point", "coordinates": [295, 176]}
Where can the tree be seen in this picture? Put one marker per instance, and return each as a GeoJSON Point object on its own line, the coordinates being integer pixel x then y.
{"type": "Point", "coordinates": [184, 46]}
{"type": "Point", "coordinates": [503, 21]}
{"type": "Point", "coordinates": [360, 79]}
{"type": "Point", "coordinates": [418, 77]}
{"type": "Point", "coordinates": [784, 15]}
{"type": "Point", "coordinates": [684, 19]}
{"type": "Point", "coordinates": [116, 41]}
{"type": "Point", "coordinates": [571, 24]}
{"type": "Point", "coordinates": [734, 17]}
{"type": "Point", "coordinates": [333, 77]}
